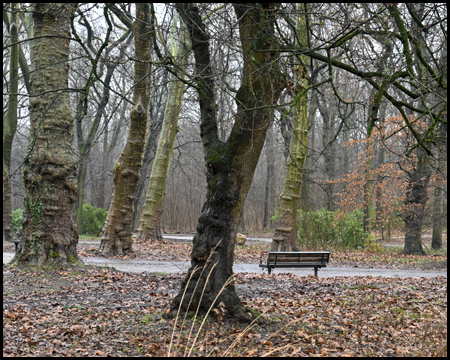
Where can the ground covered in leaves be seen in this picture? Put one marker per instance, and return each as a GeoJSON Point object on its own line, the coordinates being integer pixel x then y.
{"type": "Point", "coordinates": [86, 311]}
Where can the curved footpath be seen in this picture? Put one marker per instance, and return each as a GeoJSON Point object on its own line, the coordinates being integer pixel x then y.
{"type": "Point", "coordinates": [168, 267]}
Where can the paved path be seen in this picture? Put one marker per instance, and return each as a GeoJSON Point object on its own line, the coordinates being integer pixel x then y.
{"type": "Point", "coordinates": [167, 267]}
{"type": "Point", "coordinates": [188, 239]}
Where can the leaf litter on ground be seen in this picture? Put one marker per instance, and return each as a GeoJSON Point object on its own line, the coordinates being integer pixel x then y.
{"type": "Point", "coordinates": [87, 311]}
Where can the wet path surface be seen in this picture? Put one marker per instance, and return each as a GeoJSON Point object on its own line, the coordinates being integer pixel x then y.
{"type": "Point", "coordinates": [169, 267]}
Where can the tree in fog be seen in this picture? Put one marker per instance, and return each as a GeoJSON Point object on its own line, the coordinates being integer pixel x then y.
{"type": "Point", "coordinates": [285, 237]}
{"type": "Point", "coordinates": [414, 86]}
{"type": "Point", "coordinates": [101, 71]}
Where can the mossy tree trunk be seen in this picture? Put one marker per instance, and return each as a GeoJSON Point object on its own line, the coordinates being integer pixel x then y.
{"type": "Point", "coordinates": [49, 175]}
{"type": "Point", "coordinates": [10, 122]}
{"type": "Point", "coordinates": [116, 238]}
{"type": "Point", "coordinates": [230, 165]}
{"type": "Point", "coordinates": [285, 237]}
{"type": "Point", "coordinates": [149, 227]}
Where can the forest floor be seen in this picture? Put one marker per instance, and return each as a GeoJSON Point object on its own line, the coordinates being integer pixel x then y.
{"type": "Point", "coordinates": [88, 311]}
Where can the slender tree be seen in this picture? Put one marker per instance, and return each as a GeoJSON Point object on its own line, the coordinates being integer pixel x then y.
{"type": "Point", "coordinates": [153, 206]}
{"type": "Point", "coordinates": [116, 238]}
{"type": "Point", "coordinates": [49, 175]}
{"type": "Point", "coordinates": [285, 237]}
{"type": "Point", "coordinates": [10, 121]}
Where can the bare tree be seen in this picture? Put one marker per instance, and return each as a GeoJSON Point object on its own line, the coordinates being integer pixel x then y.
{"type": "Point", "coordinates": [230, 164]}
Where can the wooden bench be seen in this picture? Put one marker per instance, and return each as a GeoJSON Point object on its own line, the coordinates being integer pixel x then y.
{"type": "Point", "coordinates": [302, 259]}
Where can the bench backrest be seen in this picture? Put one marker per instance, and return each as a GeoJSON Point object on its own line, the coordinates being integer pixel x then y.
{"type": "Point", "coordinates": [298, 257]}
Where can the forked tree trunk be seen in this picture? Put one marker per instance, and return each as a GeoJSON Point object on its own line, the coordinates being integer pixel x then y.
{"type": "Point", "coordinates": [230, 165]}
{"type": "Point", "coordinates": [49, 175]}
{"type": "Point", "coordinates": [285, 237]}
{"type": "Point", "coordinates": [116, 238]}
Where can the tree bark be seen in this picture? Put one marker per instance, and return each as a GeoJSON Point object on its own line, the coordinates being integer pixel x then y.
{"type": "Point", "coordinates": [49, 174]}
{"type": "Point", "coordinates": [116, 238]}
{"type": "Point", "coordinates": [416, 193]}
{"type": "Point", "coordinates": [285, 237]}
{"type": "Point", "coordinates": [230, 165]}
{"type": "Point", "coordinates": [415, 201]}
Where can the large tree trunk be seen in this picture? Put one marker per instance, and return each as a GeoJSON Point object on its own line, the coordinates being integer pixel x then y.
{"type": "Point", "coordinates": [116, 238]}
{"type": "Point", "coordinates": [285, 237]}
{"type": "Point", "coordinates": [230, 165]}
{"type": "Point", "coordinates": [416, 193]}
{"type": "Point", "coordinates": [415, 201]}
{"type": "Point", "coordinates": [49, 174]}
{"type": "Point", "coordinates": [149, 227]}
{"type": "Point", "coordinates": [10, 122]}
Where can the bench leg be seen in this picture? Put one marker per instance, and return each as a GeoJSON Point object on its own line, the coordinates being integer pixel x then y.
{"type": "Point", "coordinates": [315, 271]}
{"type": "Point", "coordinates": [269, 269]}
